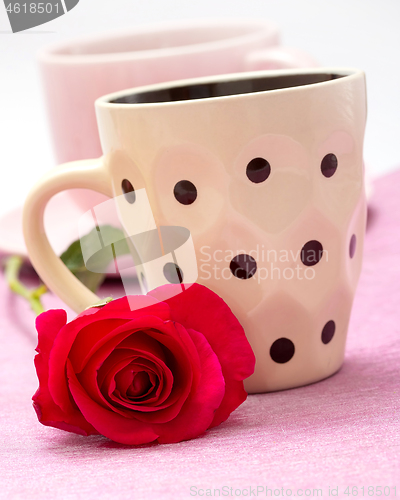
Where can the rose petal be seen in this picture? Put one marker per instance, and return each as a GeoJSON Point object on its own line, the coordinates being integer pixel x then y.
{"type": "Point", "coordinates": [136, 382]}
{"type": "Point", "coordinates": [66, 339]}
{"type": "Point", "coordinates": [48, 325]}
{"type": "Point", "coordinates": [141, 406]}
{"type": "Point", "coordinates": [136, 342]}
{"type": "Point", "coordinates": [101, 361]}
{"type": "Point", "coordinates": [89, 382]}
{"type": "Point", "coordinates": [224, 333]}
{"type": "Point", "coordinates": [93, 336]}
{"type": "Point", "coordinates": [156, 380]}
{"type": "Point", "coordinates": [119, 371]}
{"type": "Point", "coordinates": [111, 337]}
{"type": "Point", "coordinates": [106, 422]}
{"type": "Point", "coordinates": [178, 361]}
{"type": "Point", "coordinates": [118, 310]}
{"type": "Point", "coordinates": [198, 411]}
{"type": "Point", "coordinates": [185, 370]}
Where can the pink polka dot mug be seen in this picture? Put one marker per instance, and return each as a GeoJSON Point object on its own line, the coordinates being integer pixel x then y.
{"type": "Point", "coordinates": [265, 170]}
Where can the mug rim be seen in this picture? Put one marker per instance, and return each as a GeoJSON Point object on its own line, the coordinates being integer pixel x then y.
{"type": "Point", "coordinates": [344, 73]}
{"type": "Point", "coordinates": [52, 54]}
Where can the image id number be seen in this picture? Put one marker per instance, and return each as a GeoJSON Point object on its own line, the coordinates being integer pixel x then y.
{"type": "Point", "coordinates": [32, 8]}
{"type": "Point", "coordinates": [370, 491]}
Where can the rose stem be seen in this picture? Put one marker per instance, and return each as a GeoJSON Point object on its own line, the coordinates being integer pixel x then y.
{"type": "Point", "coordinates": [12, 269]}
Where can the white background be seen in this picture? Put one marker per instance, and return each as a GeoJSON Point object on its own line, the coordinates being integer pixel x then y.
{"type": "Point", "coordinates": [352, 33]}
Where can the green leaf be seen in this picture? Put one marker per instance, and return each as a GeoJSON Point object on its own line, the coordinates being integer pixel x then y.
{"type": "Point", "coordinates": [99, 261]}
{"type": "Point", "coordinates": [73, 258]}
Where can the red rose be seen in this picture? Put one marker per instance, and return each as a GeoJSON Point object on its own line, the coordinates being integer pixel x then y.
{"type": "Point", "coordinates": [165, 372]}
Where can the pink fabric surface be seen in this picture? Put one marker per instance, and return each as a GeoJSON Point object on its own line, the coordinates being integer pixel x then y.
{"type": "Point", "coordinates": [344, 431]}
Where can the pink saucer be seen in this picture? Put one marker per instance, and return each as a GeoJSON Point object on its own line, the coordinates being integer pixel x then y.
{"type": "Point", "coordinates": [61, 223]}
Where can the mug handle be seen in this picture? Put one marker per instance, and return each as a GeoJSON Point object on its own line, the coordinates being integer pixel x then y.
{"type": "Point", "coordinates": [279, 58]}
{"type": "Point", "coordinates": [87, 174]}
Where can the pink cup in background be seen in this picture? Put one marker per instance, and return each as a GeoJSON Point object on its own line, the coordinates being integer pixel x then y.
{"type": "Point", "coordinates": [78, 72]}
